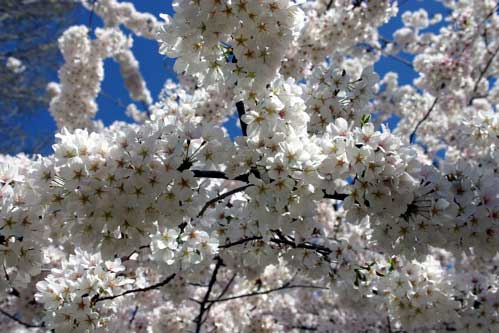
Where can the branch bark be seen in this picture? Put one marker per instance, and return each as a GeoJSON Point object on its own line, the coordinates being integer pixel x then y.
{"type": "Point", "coordinates": [412, 137]}
{"type": "Point", "coordinates": [221, 197]}
{"type": "Point", "coordinates": [287, 285]}
{"type": "Point", "coordinates": [203, 305]}
{"type": "Point", "coordinates": [482, 74]}
{"type": "Point", "coordinates": [139, 290]}
{"type": "Point", "coordinates": [240, 113]}
{"type": "Point", "coordinates": [19, 321]}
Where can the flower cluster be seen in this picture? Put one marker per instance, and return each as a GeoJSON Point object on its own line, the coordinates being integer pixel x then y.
{"type": "Point", "coordinates": [224, 42]}
{"type": "Point", "coordinates": [206, 103]}
{"type": "Point", "coordinates": [73, 100]}
{"type": "Point", "coordinates": [115, 13]}
{"type": "Point", "coordinates": [333, 94]}
{"type": "Point", "coordinates": [332, 29]}
{"type": "Point", "coordinates": [21, 233]}
{"type": "Point", "coordinates": [71, 293]}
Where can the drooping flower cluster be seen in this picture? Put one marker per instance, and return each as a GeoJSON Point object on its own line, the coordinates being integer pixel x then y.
{"type": "Point", "coordinates": [73, 100]}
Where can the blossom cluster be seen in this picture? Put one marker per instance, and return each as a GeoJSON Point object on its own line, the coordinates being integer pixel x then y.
{"type": "Point", "coordinates": [224, 42]}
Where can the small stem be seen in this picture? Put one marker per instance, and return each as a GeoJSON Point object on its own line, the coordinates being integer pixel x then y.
{"type": "Point", "coordinates": [139, 290]}
{"type": "Point", "coordinates": [328, 7]}
{"type": "Point", "coordinates": [19, 321]}
{"type": "Point", "coordinates": [202, 306]}
{"type": "Point", "coordinates": [257, 293]}
{"type": "Point", "coordinates": [482, 74]}
{"type": "Point", "coordinates": [91, 15]}
{"type": "Point", "coordinates": [226, 288]}
{"type": "Point", "coordinates": [222, 196]}
{"type": "Point", "coordinates": [240, 113]}
{"type": "Point", "coordinates": [412, 137]}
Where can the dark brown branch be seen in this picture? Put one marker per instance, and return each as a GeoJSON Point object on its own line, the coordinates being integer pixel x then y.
{"type": "Point", "coordinates": [239, 242]}
{"type": "Point", "coordinates": [329, 5]}
{"type": "Point", "coordinates": [240, 113]}
{"type": "Point", "coordinates": [325, 251]}
{"type": "Point", "coordinates": [335, 196]}
{"type": "Point", "coordinates": [245, 178]}
{"type": "Point", "coordinates": [224, 291]}
{"type": "Point", "coordinates": [412, 137]}
{"type": "Point", "coordinates": [399, 59]}
{"type": "Point", "coordinates": [287, 285]}
{"type": "Point", "coordinates": [393, 56]}
{"type": "Point", "coordinates": [306, 328]}
{"type": "Point", "coordinates": [91, 15]}
{"type": "Point", "coordinates": [139, 290]}
{"type": "Point", "coordinates": [221, 197]}
{"type": "Point", "coordinates": [282, 240]}
{"type": "Point", "coordinates": [202, 306]}
{"type": "Point", "coordinates": [218, 175]}
{"type": "Point", "coordinates": [134, 315]}
{"type": "Point", "coordinates": [21, 322]}
{"type": "Point", "coordinates": [482, 74]}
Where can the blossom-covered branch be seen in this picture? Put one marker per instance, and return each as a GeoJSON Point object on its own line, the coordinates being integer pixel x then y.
{"type": "Point", "coordinates": [321, 188]}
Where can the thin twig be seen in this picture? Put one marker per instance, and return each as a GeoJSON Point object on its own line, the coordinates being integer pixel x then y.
{"type": "Point", "coordinates": [323, 250]}
{"type": "Point", "coordinates": [306, 328]}
{"type": "Point", "coordinates": [393, 56]}
{"type": "Point", "coordinates": [134, 314]}
{"type": "Point", "coordinates": [139, 290]}
{"type": "Point", "coordinates": [335, 196]}
{"type": "Point", "coordinates": [239, 242]}
{"type": "Point", "coordinates": [257, 293]}
{"type": "Point", "coordinates": [219, 175]}
{"type": "Point", "coordinates": [224, 291]}
{"type": "Point", "coordinates": [283, 240]}
{"type": "Point", "coordinates": [328, 7]}
{"type": "Point", "coordinates": [221, 197]}
{"type": "Point", "coordinates": [115, 101]}
{"type": "Point", "coordinates": [412, 137]}
{"type": "Point", "coordinates": [399, 59]}
{"type": "Point", "coordinates": [21, 322]}
{"type": "Point", "coordinates": [202, 305]}
{"type": "Point", "coordinates": [482, 74]}
{"type": "Point", "coordinates": [91, 15]}
{"type": "Point", "coordinates": [240, 113]}
{"type": "Point", "coordinates": [245, 178]}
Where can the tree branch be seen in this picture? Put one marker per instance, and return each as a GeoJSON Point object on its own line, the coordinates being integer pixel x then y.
{"type": "Point", "coordinates": [482, 74]}
{"type": "Point", "coordinates": [132, 291]}
{"type": "Point", "coordinates": [245, 178]}
{"type": "Point", "coordinates": [202, 306]}
{"type": "Point", "coordinates": [221, 197]}
{"type": "Point", "coordinates": [241, 241]}
{"type": "Point", "coordinates": [218, 175]}
{"type": "Point", "coordinates": [412, 137]}
{"type": "Point", "coordinates": [21, 322]}
{"type": "Point", "coordinates": [287, 285]}
{"type": "Point", "coordinates": [325, 251]}
{"type": "Point", "coordinates": [282, 240]}
{"type": "Point", "coordinates": [91, 15]}
{"type": "Point", "coordinates": [328, 7]}
{"type": "Point", "coordinates": [335, 196]}
{"type": "Point", "coordinates": [226, 288]}
{"type": "Point", "coordinates": [240, 113]}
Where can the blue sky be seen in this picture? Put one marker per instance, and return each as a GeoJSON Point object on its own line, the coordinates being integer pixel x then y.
{"type": "Point", "coordinates": [156, 68]}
